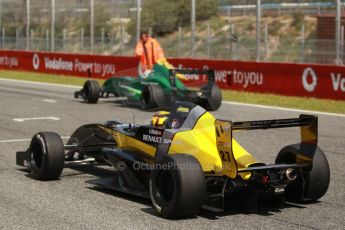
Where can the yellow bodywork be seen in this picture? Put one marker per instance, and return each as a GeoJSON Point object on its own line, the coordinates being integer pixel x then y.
{"type": "Point", "coordinates": [130, 143]}
{"type": "Point", "coordinates": [201, 142]}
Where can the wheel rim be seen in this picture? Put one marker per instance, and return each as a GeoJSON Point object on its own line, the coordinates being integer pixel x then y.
{"type": "Point", "coordinates": [165, 187]}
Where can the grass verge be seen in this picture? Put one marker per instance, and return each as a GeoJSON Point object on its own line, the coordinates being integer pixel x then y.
{"type": "Point", "coordinates": [323, 105]}
{"type": "Point", "coordinates": [41, 77]}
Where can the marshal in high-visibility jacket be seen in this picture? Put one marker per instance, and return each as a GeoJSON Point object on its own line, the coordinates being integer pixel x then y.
{"type": "Point", "coordinates": [149, 51]}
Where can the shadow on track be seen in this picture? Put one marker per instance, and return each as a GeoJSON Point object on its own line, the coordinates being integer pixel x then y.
{"type": "Point", "coordinates": [233, 206]}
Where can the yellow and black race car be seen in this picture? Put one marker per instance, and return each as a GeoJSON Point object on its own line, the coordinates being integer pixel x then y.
{"type": "Point", "coordinates": [187, 159]}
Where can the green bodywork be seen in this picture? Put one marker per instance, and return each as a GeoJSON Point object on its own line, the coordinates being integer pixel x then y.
{"type": "Point", "coordinates": [132, 87]}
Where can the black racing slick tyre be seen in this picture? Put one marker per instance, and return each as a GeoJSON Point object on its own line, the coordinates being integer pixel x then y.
{"type": "Point", "coordinates": [91, 91]}
{"type": "Point", "coordinates": [152, 96]}
{"type": "Point", "coordinates": [213, 98]}
{"type": "Point", "coordinates": [47, 156]}
{"type": "Point", "coordinates": [177, 186]}
{"type": "Point", "coordinates": [315, 179]}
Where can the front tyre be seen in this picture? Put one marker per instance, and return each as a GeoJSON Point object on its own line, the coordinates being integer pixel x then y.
{"type": "Point", "coordinates": [213, 99]}
{"type": "Point", "coordinates": [177, 186]}
{"type": "Point", "coordinates": [91, 91]}
{"type": "Point", "coordinates": [47, 156]}
{"type": "Point", "coordinates": [152, 96]}
{"type": "Point", "coordinates": [311, 184]}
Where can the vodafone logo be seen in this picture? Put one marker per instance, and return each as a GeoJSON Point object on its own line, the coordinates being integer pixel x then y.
{"type": "Point", "coordinates": [36, 61]}
{"type": "Point", "coordinates": [309, 79]}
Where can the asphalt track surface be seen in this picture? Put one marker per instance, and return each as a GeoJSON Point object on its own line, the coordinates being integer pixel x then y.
{"type": "Point", "coordinates": [71, 203]}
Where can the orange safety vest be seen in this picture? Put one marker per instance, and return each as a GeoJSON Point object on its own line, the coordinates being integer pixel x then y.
{"type": "Point", "coordinates": [149, 53]}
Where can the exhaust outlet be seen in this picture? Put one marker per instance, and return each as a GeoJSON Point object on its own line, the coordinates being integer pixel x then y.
{"type": "Point", "coordinates": [291, 174]}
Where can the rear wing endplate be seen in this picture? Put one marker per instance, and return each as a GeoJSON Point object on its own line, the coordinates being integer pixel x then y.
{"type": "Point", "coordinates": [309, 134]}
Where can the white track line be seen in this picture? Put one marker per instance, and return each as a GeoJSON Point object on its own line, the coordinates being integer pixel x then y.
{"type": "Point", "coordinates": [282, 108]}
{"type": "Point", "coordinates": [49, 100]}
{"type": "Point", "coordinates": [21, 140]}
{"type": "Point", "coordinates": [224, 102]}
{"type": "Point", "coordinates": [40, 83]}
{"type": "Point", "coordinates": [36, 118]}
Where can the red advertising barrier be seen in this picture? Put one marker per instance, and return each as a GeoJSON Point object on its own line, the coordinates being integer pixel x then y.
{"type": "Point", "coordinates": [321, 81]}
{"type": "Point", "coordinates": [69, 64]}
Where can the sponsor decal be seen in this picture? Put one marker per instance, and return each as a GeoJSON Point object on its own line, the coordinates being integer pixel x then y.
{"type": "Point", "coordinates": [338, 82]}
{"type": "Point", "coordinates": [155, 132]}
{"type": "Point", "coordinates": [9, 61]}
{"type": "Point", "coordinates": [175, 124]}
{"type": "Point", "coordinates": [225, 144]}
{"type": "Point", "coordinates": [279, 190]}
{"type": "Point", "coordinates": [150, 138]}
{"type": "Point", "coordinates": [182, 109]}
{"type": "Point", "coordinates": [177, 142]}
{"type": "Point", "coordinates": [247, 78]}
{"type": "Point", "coordinates": [238, 77]}
{"type": "Point", "coordinates": [35, 61]}
{"type": "Point", "coordinates": [309, 79]}
{"type": "Point", "coordinates": [58, 64]}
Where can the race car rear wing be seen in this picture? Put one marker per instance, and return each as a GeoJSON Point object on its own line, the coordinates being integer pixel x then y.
{"type": "Point", "coordinates": [309, 132]}
{"type": "Point", "coordinates": [302, 121]}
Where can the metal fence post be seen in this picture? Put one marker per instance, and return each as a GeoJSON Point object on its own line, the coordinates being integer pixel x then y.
{"type": "Point", "coordinates": [17, 38]}
{"type": "Point", "coordinates": [337, 32]}
{"type": "Point", "coordinates": [0, 14]}
{"type": "Point", "coordinates": [82, 37]}
{"type": "Point", "coordinates": [3, 32]}
{"type": "Point", "coordinates": [102, 38]}
{"type": "Point", "coordinates": [47, 39]}
{"type": "Point", "coordinates": [31, 38]}
{"type": "Point", "coordinates": [234, 40]}
{"type": "Point", "coordinates": [302, 43]}
{"type": "Point", "coordinates": [231, 32]}
{"type": "Point", "coordinates": [193, 29]}
{"type": "Point", "coordinates": [92, 15]}
{"type": "Point", "coordinates": [342, 45]}
{"type": "Point", "coordinates": [258, 25]}
{"type": "Point", "coordinates": [52, 29]}
{"type": "Point", "coordinates": [179, 41]}
{"type": "Point", "coordinates": [122, 34]}
{"type": "Point", "coordinates": [27, 24]}
{"type": "Point", "coordinates": [208, 40]}
{"type": "Point", "coordinates": [64, 36]}
{"type": "Point", "coordinates": [266, 41]}
{"type": "Point", "coordinates": [229, 13]}
{"type": "Point", "coordinates": [138, 19]}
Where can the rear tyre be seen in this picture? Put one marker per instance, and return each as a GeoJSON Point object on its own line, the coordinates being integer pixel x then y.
{"type": "Point", "coordinates": [91, 91]}
{"type": "Point", "coordinates": [152, 96]}
{"type": "Point", "coordinates": [316, 180]}
{"type": "Point", "coordinates": [213, 98]}
{"type": "Point", "coordinates": [177, 186]}
{"type": "Point", "coordinates": [47, 156]}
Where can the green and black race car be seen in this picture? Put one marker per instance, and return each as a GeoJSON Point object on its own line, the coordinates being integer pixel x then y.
{"type": "Point", "coordinates": [187, 159]}
{"type": "Point", "coordinates": [159, 89]}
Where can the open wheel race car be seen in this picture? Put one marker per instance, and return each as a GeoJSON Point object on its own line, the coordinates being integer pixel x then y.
{"type": "Point", "coordinates": [159, 89]}
{"type": "Point", "coordinates": [187, 159]}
